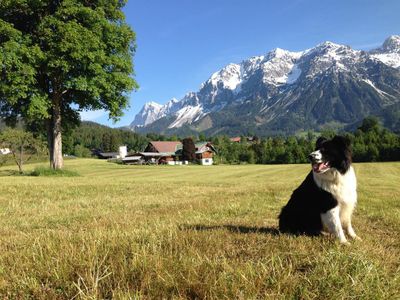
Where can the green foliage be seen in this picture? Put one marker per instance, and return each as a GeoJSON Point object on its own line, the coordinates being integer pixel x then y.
{"type": "Point", "coordinates": [42, 171]}
{"type": "Point", "coordinates": [371, 142]}
{"type": "Point", "coordinates": [81, 140]}
{"type": "Point", "coordinates": [82, 151]}
{"type": "Point", "coordinates": [60, 57]}
{"type": "Point", "coordinates": [369, 124]}
{"type": "Point", "coordinates": [23, 145]}
{"type": "Point", "coordinates": [188, 149]}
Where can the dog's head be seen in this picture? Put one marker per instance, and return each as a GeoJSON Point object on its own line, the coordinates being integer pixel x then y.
{"type": "Point", "coordinates": [329, 154]}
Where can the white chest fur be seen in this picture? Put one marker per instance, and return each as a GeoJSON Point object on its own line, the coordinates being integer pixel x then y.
{"type": "Point", "coordinates": [342, 186]}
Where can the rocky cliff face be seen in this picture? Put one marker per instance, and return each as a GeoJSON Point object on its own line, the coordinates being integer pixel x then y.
{"type": "Point", "coordinates": [285, 92]}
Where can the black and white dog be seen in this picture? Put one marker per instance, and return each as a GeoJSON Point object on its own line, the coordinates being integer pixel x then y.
{"type": "Point", "coordinates": [327, 197]}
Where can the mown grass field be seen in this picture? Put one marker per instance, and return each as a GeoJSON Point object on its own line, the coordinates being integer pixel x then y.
{"type": "Point", "coordinates": [189, 232]}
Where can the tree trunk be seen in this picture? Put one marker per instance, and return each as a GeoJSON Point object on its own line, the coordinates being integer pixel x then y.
{"type": "Point", "coordinates": [54, 135]}
{"type": "Point", "coordinates": [21, 157]}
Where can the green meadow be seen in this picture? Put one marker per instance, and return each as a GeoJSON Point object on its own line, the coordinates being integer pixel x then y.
{"type": "Point", "coordinates": [189, 232]}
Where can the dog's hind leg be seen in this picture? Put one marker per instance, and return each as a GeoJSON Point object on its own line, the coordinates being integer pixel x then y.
{"type": "Point", "coordinates": [331, 220]}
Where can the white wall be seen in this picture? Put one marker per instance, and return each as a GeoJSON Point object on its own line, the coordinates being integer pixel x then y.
{"type": "Point", "coordinates": [123, 151]}
{"type": "Point", "coordinates": [5, 151]}
{"type": "Point", "coordinates": [206, 161]}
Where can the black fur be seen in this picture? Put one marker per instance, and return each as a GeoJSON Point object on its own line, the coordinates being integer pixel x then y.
{"type": "Point", "coordinates": [302, 214]}
{"type": "Point", "coordinates": [337, 151]}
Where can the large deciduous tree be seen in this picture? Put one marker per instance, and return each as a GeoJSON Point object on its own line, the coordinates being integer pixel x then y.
{"type": "Point", "coordinates": [59, 57]}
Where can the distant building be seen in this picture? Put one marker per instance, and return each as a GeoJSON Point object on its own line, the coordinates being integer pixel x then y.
{"type": "Point", "coordinates": [122, 152]}
{"type": "Point", "coordinates": [106, 155]}
{"type": "Point", "coordinates": [204, 153]}
{"type": "Point", "coordinates": [5, 151]}
{"type": "Point", "coordinates": [248, 139]}
{"type": "Point", "coordinates": [169, 152]}
{"type": "Point", "coordinates": [235, 139]}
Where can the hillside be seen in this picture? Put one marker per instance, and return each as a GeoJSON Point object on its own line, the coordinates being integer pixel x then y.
{"type": "Point", "coordinates": [328, 86]}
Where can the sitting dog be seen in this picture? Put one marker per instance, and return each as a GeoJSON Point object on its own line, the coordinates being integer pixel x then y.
{"type": "Point", "coordinates": [327, 197]}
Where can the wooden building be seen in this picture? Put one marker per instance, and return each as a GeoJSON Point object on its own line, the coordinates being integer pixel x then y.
{"type": "Point", "coordinates": [204, 153]}
{"type": "Point", "coordinates": [170, 152]}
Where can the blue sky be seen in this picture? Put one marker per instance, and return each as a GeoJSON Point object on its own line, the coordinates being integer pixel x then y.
{"type": "Point", "coordinates": [180, 43]}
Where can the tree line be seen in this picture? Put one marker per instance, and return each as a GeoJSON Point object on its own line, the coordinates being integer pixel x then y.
{"type": "Point", "coordinates": [371, 142]}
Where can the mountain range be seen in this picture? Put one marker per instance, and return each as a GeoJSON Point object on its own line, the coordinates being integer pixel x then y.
{"type": "Point", "coordinates": [282, 92]}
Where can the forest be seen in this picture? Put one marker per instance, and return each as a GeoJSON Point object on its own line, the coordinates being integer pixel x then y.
{"type": "Point", "coordinates": [370, 142]}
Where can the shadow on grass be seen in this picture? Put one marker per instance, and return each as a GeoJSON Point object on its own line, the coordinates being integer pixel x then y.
{"type": "Point", "coordinates": [5, 173]}
{"type": "Point", "coordinates": [40, 171]}
{"type": "Point", "coordinates": [233, 228]}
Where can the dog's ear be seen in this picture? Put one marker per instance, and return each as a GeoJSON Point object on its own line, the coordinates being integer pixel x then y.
{"type": "Point", "coordinates": [342, 141]}
{"type": "Point", "coordinates": [319, 142]}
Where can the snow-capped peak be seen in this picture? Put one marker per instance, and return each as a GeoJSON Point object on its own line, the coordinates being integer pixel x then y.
{"type": "Point", "coordinates": [328, 45]}
{"type": "Point", "coordinates": [278, 72]}
{"type": "Point", "coordinates": [148, 114]}
{"type": "Point", "coordinates": [389, 52]}
{"type": "Point", "coordinates": [392, 44]}
{"type": "Point", "coordinates": [280, 67]}
{"type": "Point", "coordinates": [278, 53]}
{"type": "Point", "coordinates": [229, 77]}
{"type": "Point", "coordinates": [152, 104]}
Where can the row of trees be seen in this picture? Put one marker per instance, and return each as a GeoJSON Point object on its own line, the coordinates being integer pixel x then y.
{"type": "Point", "coordinates": [370, 142]}
{"type": "Point", "coordinates": [90, 136]}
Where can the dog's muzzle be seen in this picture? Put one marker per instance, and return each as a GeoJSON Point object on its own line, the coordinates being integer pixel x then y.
{"type": "Point", "coordinates": [318, 164]}
{"type": "Point", "coordinates": [315, 157]}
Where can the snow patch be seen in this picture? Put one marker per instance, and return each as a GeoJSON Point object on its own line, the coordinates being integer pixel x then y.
{"type": "Point", "coordinates": [187, 114]}
{"type": "Point", "coordinates": [390, 59]}
{"type": "Point", "coordinates": [382, 93]}
{"type": "Point", "coordinates": [229, 77]}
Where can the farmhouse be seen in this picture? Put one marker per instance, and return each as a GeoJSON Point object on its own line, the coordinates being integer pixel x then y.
{"type": "Point", "coordinates": [122, 152]}
{"type": "Point", "coordinates": [169, 152]}
{"type": "Point", "coordinates": [156, 152]}
{"type": "Point", "coordinates": [205, 153]}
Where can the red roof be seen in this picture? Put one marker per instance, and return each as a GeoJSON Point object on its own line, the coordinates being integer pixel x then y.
{"type": "Point", "coordinates": [236, 139]}
{"type": "Point", "coordinates": [165, 146]}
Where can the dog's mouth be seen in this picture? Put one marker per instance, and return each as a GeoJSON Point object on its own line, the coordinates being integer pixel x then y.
{"type": "Point", "coordinates": [320, 167]}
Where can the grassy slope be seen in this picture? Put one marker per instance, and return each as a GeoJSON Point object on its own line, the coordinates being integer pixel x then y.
{"type": "Point", "coordinates": [189, 231]}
